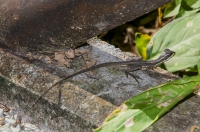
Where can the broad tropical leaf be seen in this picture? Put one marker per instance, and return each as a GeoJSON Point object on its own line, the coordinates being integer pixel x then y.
{"type": "Point", "coordinates": [144, 109]}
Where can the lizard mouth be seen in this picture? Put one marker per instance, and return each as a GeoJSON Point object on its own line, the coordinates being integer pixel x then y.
{"type": "Point", "coordinates": [168, 54]}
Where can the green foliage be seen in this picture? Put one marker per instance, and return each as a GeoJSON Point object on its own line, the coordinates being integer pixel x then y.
{"type": "Point", "coordinates": [141, 43]}
{"type": "Point", "coordinates": [144, 109]}
{"type": "Point", "coordinates": [193, 3]}
{"type": "Point", "coordinates": [198, 66]}
{"type": "Point", "coordinates": [181, 8]}
{"type": "Point", "coordinates": [182, 36]}
{"type": "Point", "coordinates": [172, 9]}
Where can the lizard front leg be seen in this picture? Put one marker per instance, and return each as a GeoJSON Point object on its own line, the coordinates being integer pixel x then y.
{"type": "Point", "coordinates": [127, 72]}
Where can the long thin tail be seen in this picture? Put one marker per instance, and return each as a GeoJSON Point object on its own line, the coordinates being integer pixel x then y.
{"type": "Point", "coordinates": [80, 72]}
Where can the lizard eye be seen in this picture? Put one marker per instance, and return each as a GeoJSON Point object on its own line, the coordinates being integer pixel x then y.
{"type": "Point", "coordinates": [167, 51]}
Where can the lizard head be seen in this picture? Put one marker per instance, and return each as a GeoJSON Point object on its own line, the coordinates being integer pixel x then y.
{"type": "Point", "coordinates": [167, 54]}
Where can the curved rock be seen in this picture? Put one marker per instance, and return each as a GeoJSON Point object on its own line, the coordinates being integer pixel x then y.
{"type": "Point", "coordinates": [30, 25]}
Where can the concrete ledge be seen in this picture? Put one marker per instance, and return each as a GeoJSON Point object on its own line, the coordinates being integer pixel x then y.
{"type": "Point", "coordinates": [79, 104]}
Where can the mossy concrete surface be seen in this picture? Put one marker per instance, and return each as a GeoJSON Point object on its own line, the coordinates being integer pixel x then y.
{"type": "Point", "coordinates": [77, 105]}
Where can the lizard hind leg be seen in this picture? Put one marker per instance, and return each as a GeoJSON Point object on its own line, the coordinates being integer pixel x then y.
{"type": "Point", "coordinates": [149, 71]}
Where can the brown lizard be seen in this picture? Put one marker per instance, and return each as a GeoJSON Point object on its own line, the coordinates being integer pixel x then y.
{"type": "Point", "coordinates": [132, 65]}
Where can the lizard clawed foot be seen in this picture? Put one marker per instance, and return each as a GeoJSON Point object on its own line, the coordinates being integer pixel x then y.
{"type": "Point", "coordinates": [133, 76]}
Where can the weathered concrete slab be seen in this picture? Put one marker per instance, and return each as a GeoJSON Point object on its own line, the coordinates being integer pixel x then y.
{"type": "Point", "coordinates": [185, 117]}
{"type": "Point", "coordinates": [79, 104]}
{"type": "Point", "coordinates": [49, 25]}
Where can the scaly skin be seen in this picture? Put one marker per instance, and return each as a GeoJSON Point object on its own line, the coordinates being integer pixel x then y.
{"type": "Point", "coordinates": [132, 65]}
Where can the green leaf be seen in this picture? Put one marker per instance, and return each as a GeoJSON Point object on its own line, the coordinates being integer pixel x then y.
{"type": "Point", "coordinates": [192, 69]}
{"type": "Point", "coordinates": [180, 8]}
{"type": "Point", "coordinates": [172, 9]}
{"type": "Point", "coordinates": [198, 66]}
{"type": "Point", "coordinates": [193, 3]}
{"type": "Point", "coordinates": [141, 43]}
{"type": "Point", "coordinates": [184, 12]}
{"type": "Point", "coordinates": [144, 109]}
{"type": "Point", "coordinates": [182, 36]}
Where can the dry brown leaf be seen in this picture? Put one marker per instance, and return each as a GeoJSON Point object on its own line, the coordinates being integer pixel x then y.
{"type": "Point", "coordinates": [150, 31]}
{"type": "Point", "coordinates": [79, 52]}
{"type": "Point", "coordinates": [70, 54]}
{"type": "Point", "coordinates": [65, 57]}
{"type": "Point", "coordinates": [193, 128]}
{"type": "Point", "coordinates": [2, 51]}
{"type": "Point", "coordinates": [4, 107]}
{"type": "Point", "coordinates": [30, 57]}
{"type": "Point", "coordinates": [60, 57]}
{"type": "Point", "coordinates": [21, 77]}
{"type": "Point", "coordinates": [87, 56]}
{"type": "Point", "coordinates": [90, 63]}
{"type": "Point", "coordinates": [67, 62]}
{"type": "Point", "coordinates": [47, 59]}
